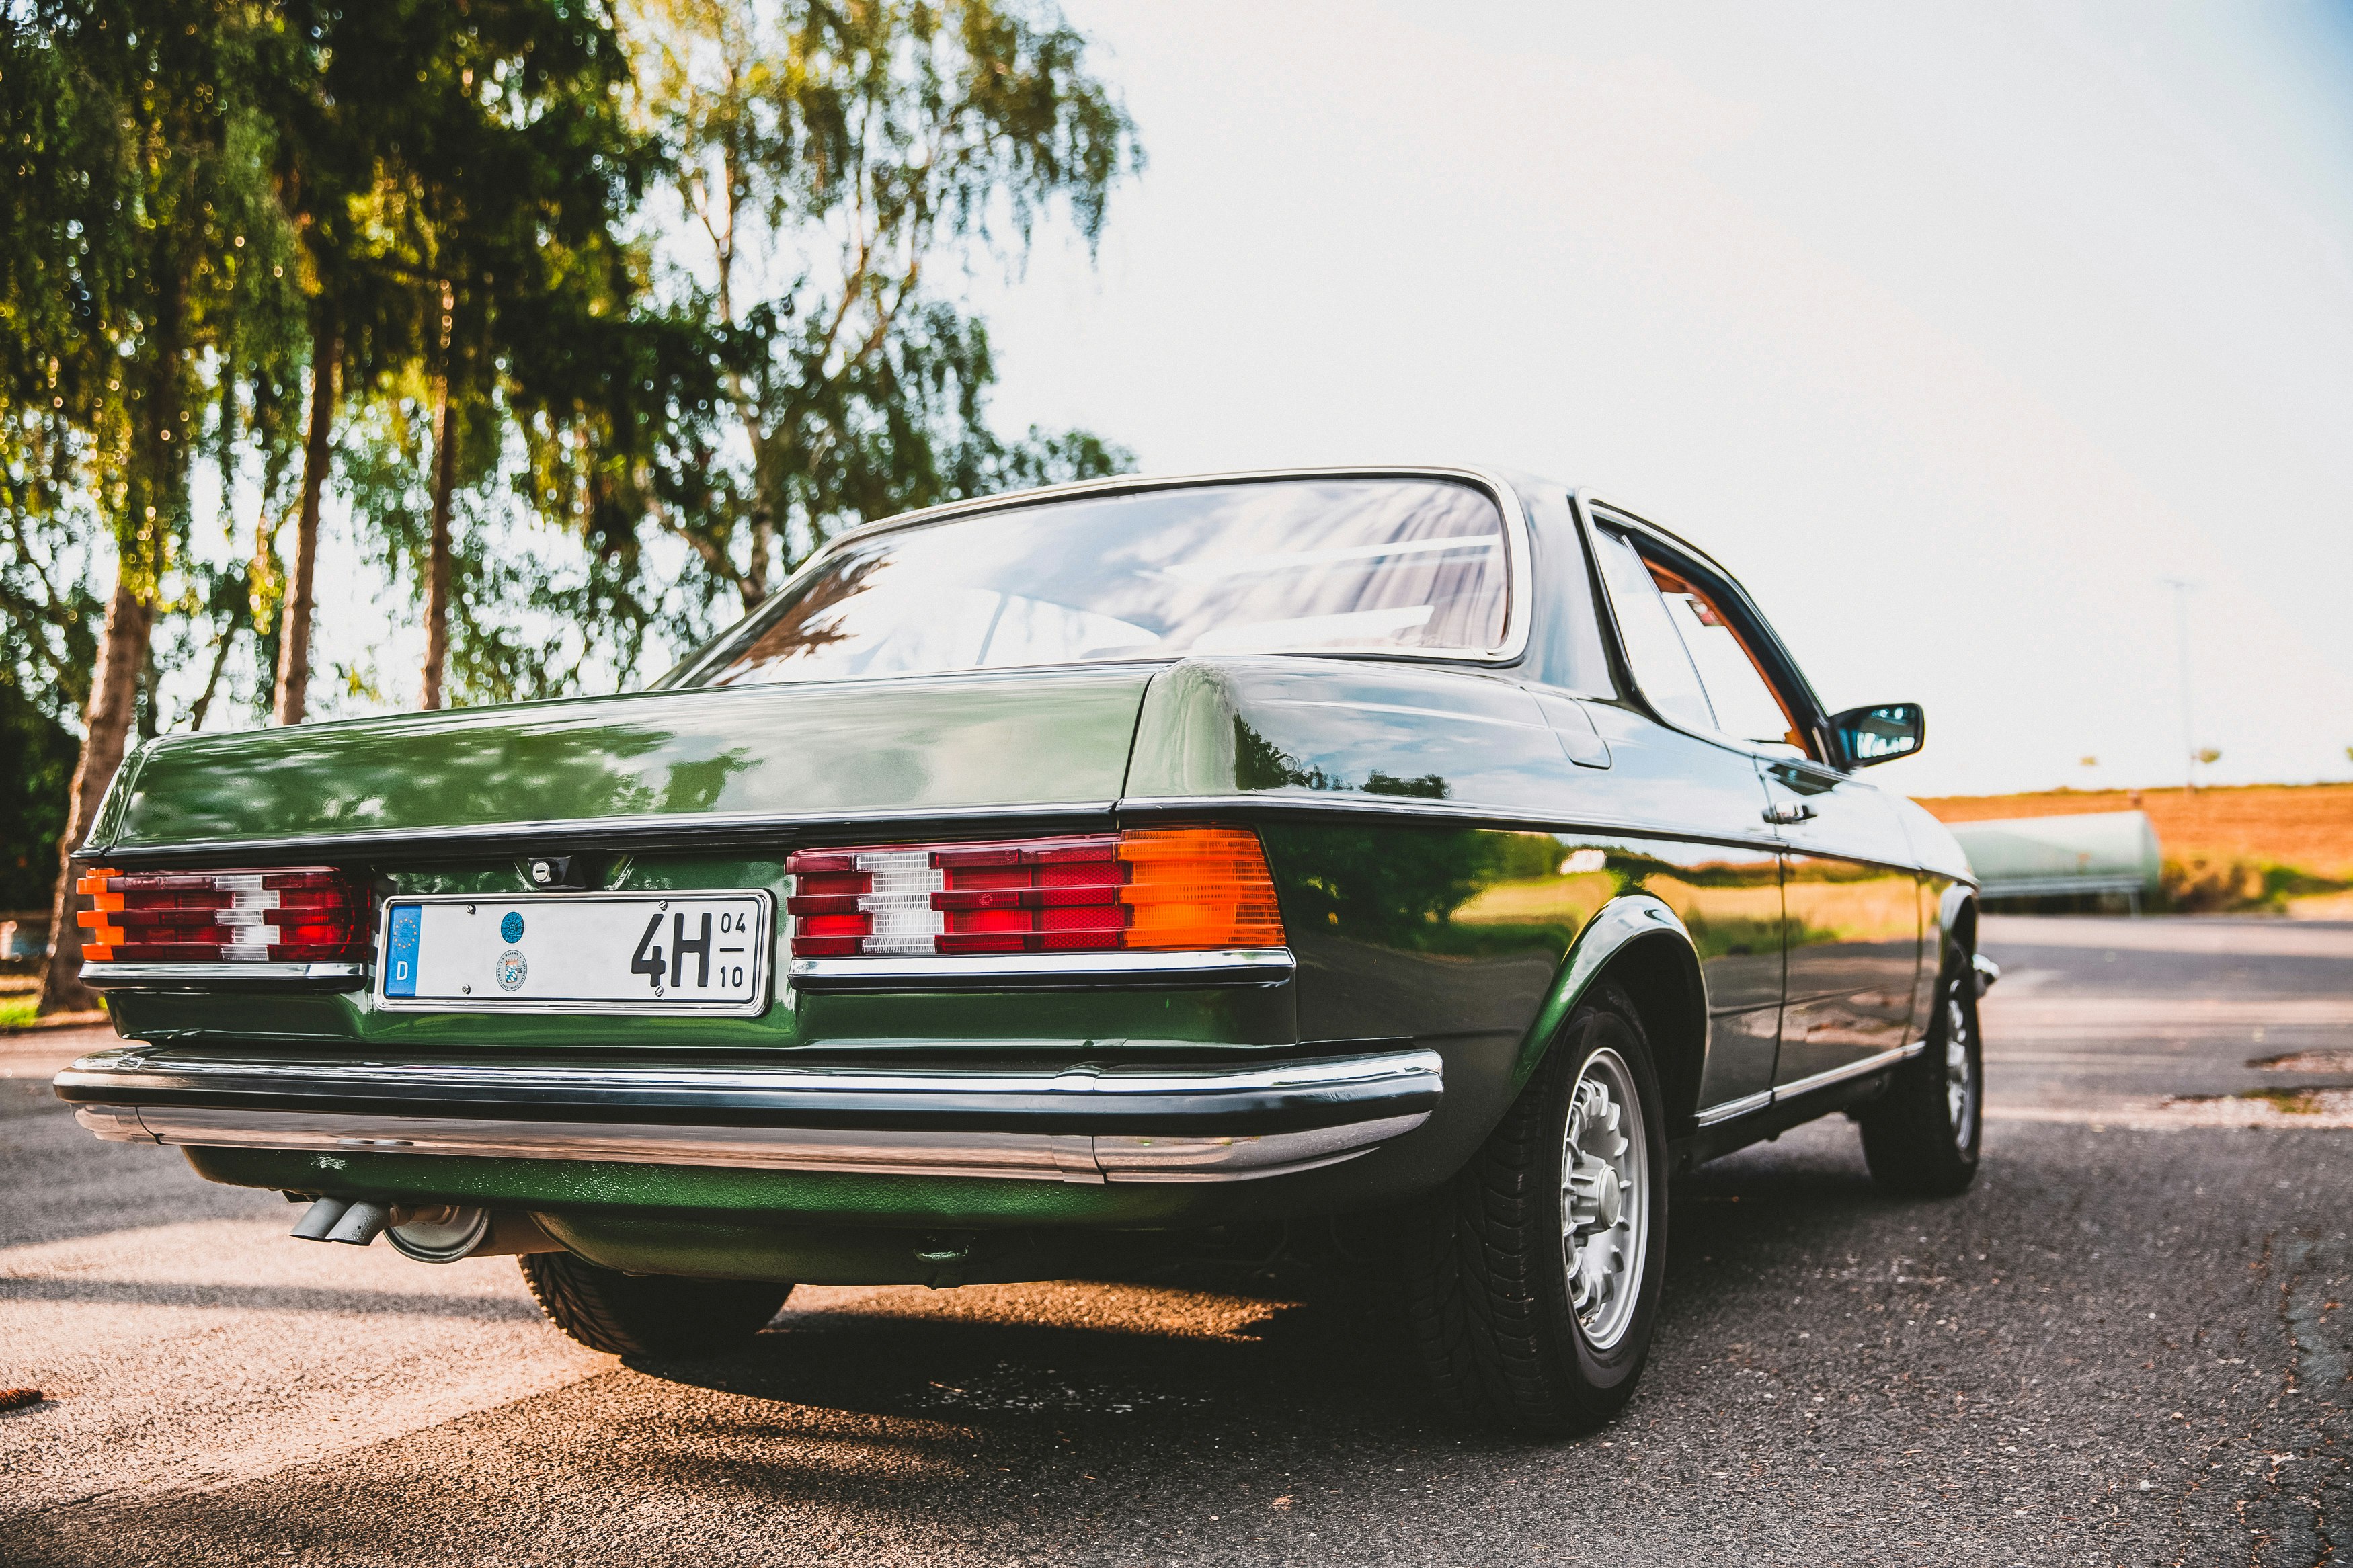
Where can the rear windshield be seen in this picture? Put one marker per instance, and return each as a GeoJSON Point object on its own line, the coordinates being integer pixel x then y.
{"type": "Point", "coordinates": [1264, 567]}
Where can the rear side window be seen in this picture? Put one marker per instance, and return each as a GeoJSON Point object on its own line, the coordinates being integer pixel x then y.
{"type": "Point", "coordinates": [1745, 707]}
{"type": "Point", "coordinates": [1715, 675]}
{"type": "Point", "coordinates": [1663, 663]}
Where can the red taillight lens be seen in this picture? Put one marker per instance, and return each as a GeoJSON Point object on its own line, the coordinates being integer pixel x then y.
{"type": "Point", "coordinates": [298, 915]}
{"type": "Point", "coordinates": [1151, 889]}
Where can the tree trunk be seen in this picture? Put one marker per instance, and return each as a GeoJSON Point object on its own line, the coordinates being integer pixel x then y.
{"type": "Point", "coordinates": [755, 585]}
{"type": "Point", "coordinates": [294, 639]}
{"type": "Point", "coordinates": [222, 645]}
{"type": "Point", "coordinates": [437, 569]}
{"type": "Point", "coordinates": [155, 500]}
{"type": "Point", "coordinates": [113, 697]}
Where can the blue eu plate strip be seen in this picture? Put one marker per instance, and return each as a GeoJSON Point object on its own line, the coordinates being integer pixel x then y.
{"type": "Point", "coordinates": [400, 950]}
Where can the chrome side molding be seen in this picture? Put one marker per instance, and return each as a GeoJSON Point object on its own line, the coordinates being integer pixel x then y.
{"type": "Point", "coordinates": [1731, 1109]}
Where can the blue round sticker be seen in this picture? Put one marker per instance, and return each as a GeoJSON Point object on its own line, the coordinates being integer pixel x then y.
{"type": "Point", "coordinates": [510, 927]}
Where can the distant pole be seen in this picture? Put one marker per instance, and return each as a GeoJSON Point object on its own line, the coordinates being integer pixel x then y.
{"type": "Point", "coordinates": [2181, 586]}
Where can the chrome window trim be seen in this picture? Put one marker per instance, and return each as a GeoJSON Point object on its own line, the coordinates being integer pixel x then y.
{"type": "Point", "coordinates": [113, 976]}
{"type": "Point", "coordinates": [1519, 589]}
{"type": "Point", "coordinates": [1215, 966]}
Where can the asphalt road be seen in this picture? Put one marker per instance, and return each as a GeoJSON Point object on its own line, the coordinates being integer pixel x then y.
{"type": "Point", "coordinates": [2129, 1344]}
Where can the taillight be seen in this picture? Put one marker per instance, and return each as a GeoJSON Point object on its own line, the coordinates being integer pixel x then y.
{"type": "Point", "coordinates": [302, 914]}
{"type": "Point", "coordinates": [1148, 890]}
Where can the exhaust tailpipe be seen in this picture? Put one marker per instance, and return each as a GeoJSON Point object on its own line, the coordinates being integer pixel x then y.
{"type": "Point", "coordinates": [320, 1218]}
{"type": "Point", "coordinates": [431, 1234]}
{"type": "Point", "coordinates": [448, 1233]}
{"type": "Point", "coordinates": [361, 1223]}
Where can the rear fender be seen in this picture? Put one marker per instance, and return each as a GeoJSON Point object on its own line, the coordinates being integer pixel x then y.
{"type": "Point", "coordinates": [1956, 920]}
{"type": "Point", "coordinates": [1638, 938]}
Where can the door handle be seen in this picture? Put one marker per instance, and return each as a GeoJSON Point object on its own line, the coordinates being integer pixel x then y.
{"type": "Point", "coordinates": [1788, 811]}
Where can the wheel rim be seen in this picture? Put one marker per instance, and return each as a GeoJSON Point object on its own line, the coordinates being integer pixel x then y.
{"type": "Point", "coordinates": [1960, 1097]}
{"type": "Point", "coordinates": [1605, 1198]}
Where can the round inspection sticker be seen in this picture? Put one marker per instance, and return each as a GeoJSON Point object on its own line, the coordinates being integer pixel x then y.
{"type": "Point", "coordinates": [513, 968]}
{"type": "Point", "coordinates": [510, 927]}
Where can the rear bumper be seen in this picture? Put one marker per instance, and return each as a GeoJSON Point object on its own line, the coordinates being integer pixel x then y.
{"type": "Point", "coordinates": [1082, 1123]}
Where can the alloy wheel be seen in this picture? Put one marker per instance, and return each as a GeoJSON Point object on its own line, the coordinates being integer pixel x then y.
{"type": "Point", "coordinates": [1960, 1098]}
{"type": "Point", "coordinates": [1605, 1198]}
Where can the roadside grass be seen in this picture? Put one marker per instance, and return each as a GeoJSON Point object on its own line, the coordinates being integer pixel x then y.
{"type": "Point", "coordinates": [2216, 884]}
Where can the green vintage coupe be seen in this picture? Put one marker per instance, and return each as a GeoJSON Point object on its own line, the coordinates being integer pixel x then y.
{"type": "Point", "coordinates": [1036, 880]}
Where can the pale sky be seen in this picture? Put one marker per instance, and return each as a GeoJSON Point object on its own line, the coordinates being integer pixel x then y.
{"type": "Point", "coordinates": [1953, 330]}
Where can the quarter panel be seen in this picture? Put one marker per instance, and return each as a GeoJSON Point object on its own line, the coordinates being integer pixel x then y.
{"type": "Point", "coordinates": [1312, 728]}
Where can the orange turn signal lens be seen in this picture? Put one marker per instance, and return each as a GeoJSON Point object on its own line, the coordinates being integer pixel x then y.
{"type": "Point", "coordinates": [294, 914]}
{"type": "Point", "coordinates": [104, 936]}
{"type": "Point", "coordinates": [1198, 888]}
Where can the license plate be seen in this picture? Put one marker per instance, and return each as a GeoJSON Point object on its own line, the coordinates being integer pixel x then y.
{"type": "Point", "coordinates": [577, 952]}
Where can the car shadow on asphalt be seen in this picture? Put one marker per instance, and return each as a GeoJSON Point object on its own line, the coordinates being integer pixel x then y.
{"type": "Point", "coordinates": [1323, 1336]}
{"type": "Point", "coordinates": [335, 1300]}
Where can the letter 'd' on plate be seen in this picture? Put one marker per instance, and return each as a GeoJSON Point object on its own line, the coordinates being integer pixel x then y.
{"type": "Point", "coordinates": [577, 952]}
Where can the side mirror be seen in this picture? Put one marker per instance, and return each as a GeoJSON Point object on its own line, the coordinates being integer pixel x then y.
{"type": "Point", "coordinates": [1869, 735]}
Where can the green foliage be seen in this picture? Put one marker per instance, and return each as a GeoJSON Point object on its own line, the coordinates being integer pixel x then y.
{"type": "Point", "coordinates": [839, 162]}
{"type": "Point", "coordinates": [38, 754]}
{"type": "Point", "coordinates": [473, 197]}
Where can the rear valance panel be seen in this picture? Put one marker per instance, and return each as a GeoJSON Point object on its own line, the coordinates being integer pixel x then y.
{"type": "Point", "coordinates": [1039, 738]}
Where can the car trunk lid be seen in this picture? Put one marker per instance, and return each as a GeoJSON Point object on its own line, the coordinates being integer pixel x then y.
{"type": "Point", "coordinates": [646, 765]}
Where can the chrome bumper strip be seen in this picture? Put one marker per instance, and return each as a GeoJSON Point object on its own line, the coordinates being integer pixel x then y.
{"type": "Point", "coordinates": [217, 976]}
{"type": "Point", "coordinates": [1084, 1123]}
{"type": "Point", "coordinates": [1033, 1156]}
{"type": "Point", "coordinates": [1226, 966]}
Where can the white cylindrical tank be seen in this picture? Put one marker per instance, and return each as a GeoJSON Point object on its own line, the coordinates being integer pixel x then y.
{"type": "Point", "coordinates": [2034, 857]}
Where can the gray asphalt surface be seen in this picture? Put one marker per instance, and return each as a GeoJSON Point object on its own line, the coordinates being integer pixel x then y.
{"type": "Point", "coordinates": [2129, 1344]}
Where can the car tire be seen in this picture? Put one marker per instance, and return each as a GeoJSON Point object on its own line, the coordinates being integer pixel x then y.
{"type": "Point", "coordinates": [1514, 1326]}
{"type": "Point", "coordinates": [649, 1314]}
{"type": "Point", "coordinates": [1920, 1138]}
